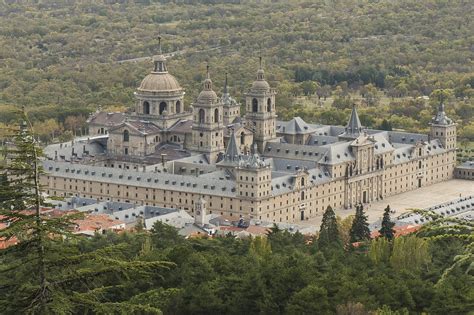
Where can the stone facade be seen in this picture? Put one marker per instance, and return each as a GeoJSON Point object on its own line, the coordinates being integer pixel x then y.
{"type": "Point", "coordinates": [257, 167]}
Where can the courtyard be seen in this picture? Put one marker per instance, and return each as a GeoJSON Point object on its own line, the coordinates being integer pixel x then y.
{"type": "Point", "coordinates": [416, 199]}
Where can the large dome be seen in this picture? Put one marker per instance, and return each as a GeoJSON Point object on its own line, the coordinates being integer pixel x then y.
{"type": "Point", "coordinates": [159, 82]}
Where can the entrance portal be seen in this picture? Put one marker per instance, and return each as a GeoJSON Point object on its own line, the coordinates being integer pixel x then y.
{"type": "Point", "coordinates": [419, 182]}
{"type": "Point", "coordinates": [302, 215]}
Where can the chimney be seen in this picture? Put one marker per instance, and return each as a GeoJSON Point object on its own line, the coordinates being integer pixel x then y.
{"type": "Point", "coordinates": [163, 159]}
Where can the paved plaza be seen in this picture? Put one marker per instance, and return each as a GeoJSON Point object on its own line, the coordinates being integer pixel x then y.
{"type": "Point", "coordinates": [416, 199]}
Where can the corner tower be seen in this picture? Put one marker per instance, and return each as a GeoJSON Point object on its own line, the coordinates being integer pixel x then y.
{"type": "Point", "coordinates": [253, 178]}
{"type": "Point", "coordinates": [260, 109]}
{"type": "Point", "coordinates": [444, 129]}
{"type": "Point", "coordinates": [354, 127]}
{"type": "Point", "coordinates": [208, 128]}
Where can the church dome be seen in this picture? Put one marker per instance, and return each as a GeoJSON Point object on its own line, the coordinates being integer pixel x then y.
{"type": "Point", "coordinates": [207, 96]}
{"type": "Point", "coordinates": [260, 85]}
{"type": "Point", "coordinates": [159, 82]}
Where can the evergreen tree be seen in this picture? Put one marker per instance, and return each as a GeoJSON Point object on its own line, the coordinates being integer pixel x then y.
{"type": "Point", "coordinates": [360, 227]}
{"type": "Point", "coordinates": [387, 225]}
{"type": "Point", "coordinates": [45, 272]}
{"type": "Point", "coordinates": [328, 232]}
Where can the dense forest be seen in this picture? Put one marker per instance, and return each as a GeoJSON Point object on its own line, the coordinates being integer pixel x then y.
{"type": "Point", "coordinates": [65, 59]}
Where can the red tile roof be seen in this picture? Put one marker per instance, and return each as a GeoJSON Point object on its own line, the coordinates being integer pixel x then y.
{"type": "Point", "coordinates": [399, 230]}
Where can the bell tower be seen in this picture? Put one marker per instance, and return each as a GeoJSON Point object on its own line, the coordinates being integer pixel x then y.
{"type": "Point", "coordinates": [208, 127]}
{"type": "Point", "coordinates": [260, 110]}
{"type": "Point", "coordinates": [444, 129]}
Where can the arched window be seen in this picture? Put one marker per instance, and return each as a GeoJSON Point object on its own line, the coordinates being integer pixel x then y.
{"type": "Point", "coordinates": [146, 108]}
{"type": "Point", "coordinates": [178, 107]}
{"type": "Point", "coordinates": [126, 136]}
{"type": "Point", "coordinates": [162, 107]}
{"type": "Point", "coordinates": [302, 195]}
{"type": "Point", "coordinates": [254, 105]}
{"type": "Point", "coordinates": [269, 105]}
{"type": "Point", "coordinates": [201, 116]}
{"type": "Point", "coordinates": [216, 115]}
{"type": "Point", "coordinates": [242, 138]}
{"type": "Point", "coordinates": [302, 181]}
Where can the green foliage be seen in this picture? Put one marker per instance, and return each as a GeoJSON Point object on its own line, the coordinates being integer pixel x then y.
{"type": "Point", "coordinates": [164, 235]}
{"type": "Point", "coordinates": [44, 271]}
{"type": "Point", "coordinates": [310, 300]}
{"type": "Point", "coordinates": [410, 253]}
{"type": "Point", "coordinates": [73, 57]}
{"type": "Point", "coordinates": [360, 227]}
{"type": "Point", "coordinates": [387, 225]}
{"type": "Point", "coordinates": [260, 247]}
{"type": "Point", "coordinates": [379, 251]}
{"type": "Point", "coordinates": [328, 232]}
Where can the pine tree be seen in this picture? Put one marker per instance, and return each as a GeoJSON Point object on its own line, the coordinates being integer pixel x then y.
{"type": "Point", "coordinates": [328, 232]}
{"type": "Point", "coordinates": [45, 272]}
{"type": "Point", "coordinates": [360, 227]}
{"type": "Point", "coordinates": [387, 225]}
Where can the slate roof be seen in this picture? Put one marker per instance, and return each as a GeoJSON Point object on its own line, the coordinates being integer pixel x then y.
{"type": "Point", "coordinates": [337, 153]}
{"type": "Point", "coordinates": [232, 152]}
{"type": "Point", "coordinates": [294, 151]}
{"type": "Point", "coordinates": [321, 140]}
{"type": "Point", "coordinates": [181, 126]}
{"type": "Point", "coordinates": [184, 183]}
{"type": "Point", "coordinates": [354, 127]}
{"type": "Point", "coordinates": [78, 150]}
{"type": "Point", "coordinates": [142, 127]}
{"type": "Point", "coordinates": [404, 137]}
{"type": "Point", "coordinates": [285, 184]}
{"type": "Point", "coordinates": [294, 126]}
{"type": "Point", "coordinates": [459, 208]}
{"type": "Point", "coordinates": [106, 119]}
{"type": "Point", "coordinates": [440, 118]}
{"type": "Point", "coordinates": [290, 166]}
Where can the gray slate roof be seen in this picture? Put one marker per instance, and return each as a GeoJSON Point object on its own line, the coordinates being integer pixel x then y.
{"type": "Point", "coordinates": [294, 126]}
{"type": "Point", "coordinates": [441, 118]}
{"type": "Point", "coordinates": [167, 181]}
{"type": "Point", "coordinates": [354, 127]}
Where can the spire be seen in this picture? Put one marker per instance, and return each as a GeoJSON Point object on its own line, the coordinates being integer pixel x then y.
{"type": "Point", "coordinates": [225, 85]}
{"type": "Point", "coordinates": [354, 126]}
{"type": "Point", "coordinates": [159, 45]}
{"type": "Point", "coordinates": [441, 118]}
{"type": "Point", "coordinates": [260, 72]}
{"type": "Point", "coordinates": [232, 152]}
{"type": "Point", "coordinates": [159, 60]}
{"type": "Point", "coordinates": [208, 81]}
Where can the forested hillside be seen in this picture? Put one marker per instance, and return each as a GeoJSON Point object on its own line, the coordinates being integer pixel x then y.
{"type": "Point", "coordinates": [62, 58]}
